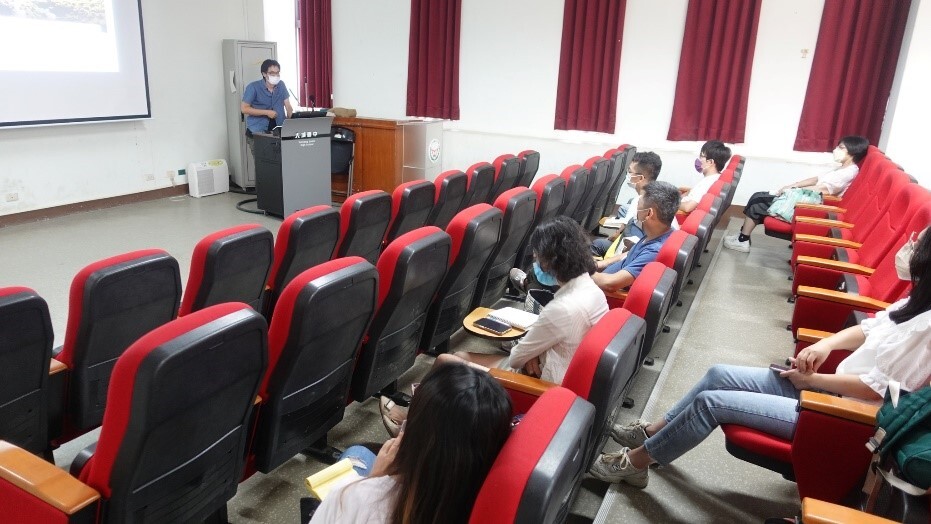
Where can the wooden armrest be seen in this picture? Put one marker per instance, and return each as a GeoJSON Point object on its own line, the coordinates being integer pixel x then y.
{"type": "Point", "coordinates": [840, 297]}
{"type": "Point", "coordinates": [811, 335]}
{"type": "Point", "coordinates": [846, 408]}
{"type": "Point", "coordinates": [824, 222]}
{"type": "Point", "coordinates": [830, 198]}
{"type": "Point", "coordinates": [816, 511]}
{"type": "Point", "coordinates": [821, 207]}
{"type": "Point", "coordinates": [55, 367]}
{"type": "Point", "coordinates": [836, 265]}
{"type": "Point", "coordinates": [619, 294]}
{"type": "Point", "coordinates": [826, 241]}
{"type": "Point", "coordinates": [51, 485]}
{"type": "Point", "coordinates": [523, 383]}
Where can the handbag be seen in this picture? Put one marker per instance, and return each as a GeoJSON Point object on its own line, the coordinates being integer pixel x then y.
{"type": "Point", "coordinates": [783, 207]}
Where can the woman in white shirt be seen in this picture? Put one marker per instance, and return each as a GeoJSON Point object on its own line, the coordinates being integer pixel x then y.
{"type": "Point", "coordinates": [458, 421]}
{"type": "Point", "coordinates": [893, 346]}
{"type": "Point", "coordinates": [849, 152]}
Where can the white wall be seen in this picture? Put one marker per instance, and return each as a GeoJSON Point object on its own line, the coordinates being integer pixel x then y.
{"type": "Point", "coordinates": [57, 165]}
{"type": "Point", "coordinates": [907, 134]}
{"type": "Point", "coordinates": [508, 75]}
{"type": "Point", "coordinates": [281, 27]}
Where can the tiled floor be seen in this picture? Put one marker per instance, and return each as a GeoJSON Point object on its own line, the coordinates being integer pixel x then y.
{"type": "Point", "coordinates": [736, 316]}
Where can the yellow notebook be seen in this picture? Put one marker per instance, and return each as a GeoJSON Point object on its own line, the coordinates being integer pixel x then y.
{"type": "Point", "coordinates": [320, 483]}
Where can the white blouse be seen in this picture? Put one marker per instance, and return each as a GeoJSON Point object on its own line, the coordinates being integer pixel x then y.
{"type": "Point", "coordinates": [699, 189]}
{"type": "Point", "coordinates": [901, 352]}
{"type": "Point", "coordinates": [369, 500]}
{"type": "Point", "coordinates": [837, 180]}
{"type": "Point", "coordinates": [560, 328]}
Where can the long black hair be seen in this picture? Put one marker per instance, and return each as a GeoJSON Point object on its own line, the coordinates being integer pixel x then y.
{"type": "Point", "coordinates": [562, 248]}
{"type": "Point", "coordinates": [919, 300]}
{"type": "Point", "coordinates": [457, 423]}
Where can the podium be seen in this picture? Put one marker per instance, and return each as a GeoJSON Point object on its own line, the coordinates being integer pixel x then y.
{"type": "Point", "coordinates": [292, 172]}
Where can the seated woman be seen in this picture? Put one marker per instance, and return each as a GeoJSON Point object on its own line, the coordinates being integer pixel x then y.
{"type": "Point", "coordinates": [458, 421]}
{"type": "Point", "coordinates": [561, 250]}
{"type": "Point", "coordinates": [849, 152]}
{"type": "Point", "coordinates": [895, 345]}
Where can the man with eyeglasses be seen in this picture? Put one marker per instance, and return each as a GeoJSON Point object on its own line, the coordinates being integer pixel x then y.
{"type": "Point", "coordinates": [265, 101]}
{"type": "Point", "coordinates": [644, 168]}
{"type": "Point", "coordinates": [710, 162]}
{"type": "Point", "coordinates": [655, 213]}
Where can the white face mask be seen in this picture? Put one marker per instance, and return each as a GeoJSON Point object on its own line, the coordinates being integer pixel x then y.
{"type": "Point", "coordinates": [902, 258]}
{"type": "Point", "coordinates": [631, 183]}
{"type": "Point", "coordinates": [273, 80]}
{"type": "Point", "coordinates": [839, 155]}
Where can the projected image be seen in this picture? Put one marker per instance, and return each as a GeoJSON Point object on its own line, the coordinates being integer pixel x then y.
{"type": "Point", "coordinates": [60, 35]}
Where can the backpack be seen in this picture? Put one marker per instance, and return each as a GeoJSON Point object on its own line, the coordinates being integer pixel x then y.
{"type": "Point", "coordinates": [904, 436]}
{"type": "Point", "coordinates": [783, 207]}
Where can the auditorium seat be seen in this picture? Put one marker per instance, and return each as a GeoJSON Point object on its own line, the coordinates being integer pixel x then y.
{"type": "Point", "coordinates": [577, 181]}
{"type": "Point", "coordinates": [26, 341]}
{"type": "Point", "coordinates": [616, 175]}
{"type": "Point", "coordinates": [507, 175]}
{"type": "Point", "coordinates": [363, 220]}
{"type": "Point", "coordinates": [539, 468]}
{"type": "Point", "coordinates": [550, 190]}
{"type": "Point", "coordinates": [474, 232]}
{"type": "Point", "coordinates": [112, 303]}
{"type": "Point", "coordinates": [409, 274]}
{"type": "Point", "coordinates": [699, 223]}
{"type": "Point", "coordinates": [451, 189]}
{"type": "Point", "coordinates": [519, 208]}
{"type": "Point", "coordinates": [678, 252]}
{"type": "Point", "coordinates": [600, 372]}
{"type": "Point", "coordinates": [231, 265]}
{"type": "Point", "coordinates": [306, 238]}
{"type": "Point", "coordinates": [411, 204]}
{"type": "Point", "coordinates": [826, 456]}
{"type": "Point", "coordinates": [313, 341]}
{"type": "Point", "coordinates": [887, 237]}
{"type": "Point", "coordinates": [172, 443]}
{"type": "Point", "coordinates": [529, 165]}
{"type": "Point", "coordinates": [649, 297]}
{"type": "Point", "coordinates": [595, 201]}
{"type": "Point", "coordinates": [481, 182]}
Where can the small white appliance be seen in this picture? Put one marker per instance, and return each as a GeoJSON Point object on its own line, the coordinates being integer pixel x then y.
{"type": "Point", "coordinates": [206, 178]}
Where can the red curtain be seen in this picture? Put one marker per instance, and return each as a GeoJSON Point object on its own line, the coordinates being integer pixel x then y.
{"type": "Point", "coordinates": [589, 65]}
{"type": "Point", "coordinates": [315, 51]}
{"type": "Point", "coordinates": [852, 71]}
{"type": "Point", "coordinates": [433, 63]}
{"type": "Point", "coordinates": [714, 70]}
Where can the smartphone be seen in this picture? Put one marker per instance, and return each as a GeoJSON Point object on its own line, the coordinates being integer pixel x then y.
{"type": "Point", "coordinates": [778, 368]}
{"type": "Point", "coordinates": [492, 326]}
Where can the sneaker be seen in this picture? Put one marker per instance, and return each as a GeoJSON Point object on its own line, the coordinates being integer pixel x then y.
{"type": "Point", "coordinates": [616, 467]}
{"type": "Point", "coordinates": [630, 435]}
{"type": "Point", "coordinates": [733, 236]}
{"type": "Point", "coordinates": [518, 278]}
{"type": "Point", "coordinates": [737, 245]}
{"type": "Point", "coordinates": [392, 415]}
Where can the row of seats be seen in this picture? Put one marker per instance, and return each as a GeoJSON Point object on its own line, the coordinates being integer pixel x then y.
{"type": "Point", "coordinates": [843, 270]}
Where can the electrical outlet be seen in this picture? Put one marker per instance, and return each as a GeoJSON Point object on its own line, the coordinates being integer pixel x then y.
{"type": "Point", "coordinates": [12, 197]}
{"type": "Point", "coordinates": [182, 172]}
{"type": "Point", "coordinates": [149, 177]}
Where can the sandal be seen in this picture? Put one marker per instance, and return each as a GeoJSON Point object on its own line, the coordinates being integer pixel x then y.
{"type": "Point", "coordinates": [392, 415]}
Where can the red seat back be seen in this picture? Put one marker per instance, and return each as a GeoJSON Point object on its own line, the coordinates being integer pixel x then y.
{"type": "Point", "coordinates": [305, 238]}
{"type": "Point", "coordinates": [411, 204]}
{"type": "Point", "coordinates": [231, 265]}
{"type": "Point", "coordinates": [507, 174]}
{"type": "Point", "coordinates": [363, 220]}
{"type": "Point", "coordinates": [519, 208]}
{"type": "Point", "coordinates": [577, 183]}
{"type": "Point", "coordinates": [451, 189]}
{"type": "Point", "coordinates": [649, 298]}
{"type": "Point", "coordinates": [409, 274]}
{"type": "Point", "coordinates": [481, 182]}
{"type": "Point", "coordinates": [595, 202]}
{"type": "Point", "coordinates": [26, 340]}
{"type": "Point", "coordinates": [530, 164]}
{"type": "Point", "coordinates": [174, 433]}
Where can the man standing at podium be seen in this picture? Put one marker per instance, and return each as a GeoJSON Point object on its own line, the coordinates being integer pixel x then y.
{"type": "Point", "coordinates": [265, 102]}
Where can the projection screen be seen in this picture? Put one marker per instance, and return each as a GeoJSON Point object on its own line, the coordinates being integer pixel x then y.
{"type": "Point", "coordinates": [68, 61]}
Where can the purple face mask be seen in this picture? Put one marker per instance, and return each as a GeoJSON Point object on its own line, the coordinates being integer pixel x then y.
{"type": "Point", "coordinates": [698, 163]}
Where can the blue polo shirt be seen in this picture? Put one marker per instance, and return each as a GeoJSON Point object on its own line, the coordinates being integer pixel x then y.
{"type": "Point", "coordinates": [641, 254]}
{"type": "Point", "coordinates": [258, 96]}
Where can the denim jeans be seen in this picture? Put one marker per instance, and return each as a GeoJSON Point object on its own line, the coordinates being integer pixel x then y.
{"type": "Point", "coordinates": [754, 397]}
{"type": "Point", "coordinates": [360, 454]}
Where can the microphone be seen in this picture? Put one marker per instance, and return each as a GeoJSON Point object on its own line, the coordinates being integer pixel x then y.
{"type": "Point", "coordinates": [295, 96]}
